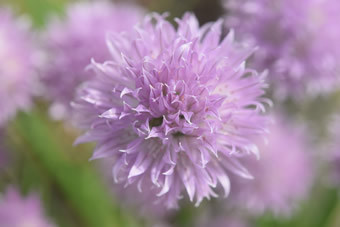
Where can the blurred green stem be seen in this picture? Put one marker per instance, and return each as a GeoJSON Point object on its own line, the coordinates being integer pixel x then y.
{"type": "Point", "coordinates": [334, 219]}
{"type": "Point", "coordinates": [78, 181]}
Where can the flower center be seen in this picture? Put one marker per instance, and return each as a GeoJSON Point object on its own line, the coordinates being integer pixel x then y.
{"type": "Point", "coordinates": [155, 122]}
{"type": "Point", "coordinates": [177, 134]}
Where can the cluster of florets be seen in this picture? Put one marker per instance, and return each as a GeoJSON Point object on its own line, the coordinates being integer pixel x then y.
{"type": "Point", "coordinates": [16, 66]}
{"type": "Point", "coordinates": [298, 42]}
{"type": "Point", "coordinates": [174, 107]}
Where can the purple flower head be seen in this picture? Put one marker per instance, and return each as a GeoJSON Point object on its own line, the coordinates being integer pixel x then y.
{"type": "Point", "coordinates": [298, 41]}
{"type": "Point", "coordinates": [282, 176]}
{"type": "Point", "coordinates": [16, 66]}
{"type": "Point", "coordinates": [16, 211]}
{"type": "Point", "coordinates": [174, 107]}
{"type": "Point", "coordinates": [72, 42]}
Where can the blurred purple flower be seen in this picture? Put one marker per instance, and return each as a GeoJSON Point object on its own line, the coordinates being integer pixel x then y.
{"type": "Point", "coordinates": [298, 41]}
{"type": "Point", "coordinates": [16, 211]}
{"type": "Point", "coordinates": [174, 107]}
{"type": "Point", "coordinates": [282, 176]}
{"type": "Point", "coordinates": [72, 42]}
{"type": "Point", "coordinates": [16, 65]}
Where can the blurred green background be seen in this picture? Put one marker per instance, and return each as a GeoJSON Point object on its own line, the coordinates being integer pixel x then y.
{"type": "Point", "coordinates": [72, 189]}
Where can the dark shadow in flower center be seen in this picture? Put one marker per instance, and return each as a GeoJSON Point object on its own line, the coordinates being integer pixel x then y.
{"type": "Point", "coordinates": [164, 91]}
{"type": "Point", "coordinates": [155, 122]}
{"type": "Point", "coordinates": [178, 134]}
